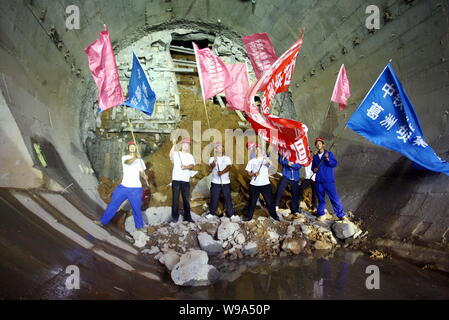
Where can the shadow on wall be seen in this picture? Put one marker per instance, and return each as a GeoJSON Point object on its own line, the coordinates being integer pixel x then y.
{"type": "Point", "coordinates": [57, 171]}
{"type": "Point", "coordinates": [388, 201]}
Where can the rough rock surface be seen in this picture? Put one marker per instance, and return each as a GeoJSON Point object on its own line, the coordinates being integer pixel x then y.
{"type": "Point", "coordinates": [193, 270]}
{"type": "Point", "coordinates": [343, 230]}
{"type": "Point", "coordinates": [208, 244]}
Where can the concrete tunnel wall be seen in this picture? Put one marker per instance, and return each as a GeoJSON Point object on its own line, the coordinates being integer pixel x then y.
{"type": "Point", "coordinates": [50, 95]}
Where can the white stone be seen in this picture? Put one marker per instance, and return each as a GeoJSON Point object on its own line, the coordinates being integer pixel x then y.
{"type": "Point", "coordinates": [305, 229]}
{"type": "Point", "coordinates": [273, 236]}
{"type": "Point", "coordinates": [169, 258]}
{"type": "Point", "coordinates": [152, 250]}
{"type": "Point", "coordinates": [208, 244]}
{"type": "Point", "coordinates": [130, 227]}
{"type": "Point", "coordinates": [193, 270]}
{"type": "Point", "coordinates": [140, 239]}
{"type": "Point", "coordinates": [343, 230]}
{"type": "Point", "coordinates": [240, 238]}
{"type": "Point", "coordinates": [158, 215]}
{"type": "Point", "coordinates": [226, 229]}
{"type": "Point", "coordinates": [250, 249]}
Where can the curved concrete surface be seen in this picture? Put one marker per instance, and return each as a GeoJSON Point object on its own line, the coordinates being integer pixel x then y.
{"type": "Point", "coordinates": [47, 98]}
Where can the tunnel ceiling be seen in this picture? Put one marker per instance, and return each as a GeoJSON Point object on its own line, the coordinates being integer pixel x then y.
{"type": "Point", "coordinates": [49, 92]}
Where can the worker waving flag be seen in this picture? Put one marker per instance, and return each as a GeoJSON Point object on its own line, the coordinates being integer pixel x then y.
{"type": "Point", "coordinates": [386, 117]}
{"type": "Point", "coordinates": [214, 76]}
{"type": "Point", "coordinates": [103, 68]}
{"type": "Point", "coordinates": [140, 94]}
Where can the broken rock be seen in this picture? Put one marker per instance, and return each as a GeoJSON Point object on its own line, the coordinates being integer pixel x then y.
{"type": "Point", "coordinates": [193, 270]}
{"type": "Point", "coordinates": [343, 230]}
{"type": "Point", "coordinates": [169, 258]}
{"type": "Point", "coordinates": [226, 229]}
{"type": "Point", "coordinates": [294, 246]}
{"type": "Point", "coordinates": [208, 244]}
{"type": "Point", "coordinates": [158, 215]}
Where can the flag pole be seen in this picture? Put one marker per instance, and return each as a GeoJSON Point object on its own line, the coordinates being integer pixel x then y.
{"type": "Point", "coordinates": [201, 82]}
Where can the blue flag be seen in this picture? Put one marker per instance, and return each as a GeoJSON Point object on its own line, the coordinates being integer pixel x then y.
{"type": "Point", "coordinates": [140, 94]}
{"type": "Point", "coordinates": [387, 118]}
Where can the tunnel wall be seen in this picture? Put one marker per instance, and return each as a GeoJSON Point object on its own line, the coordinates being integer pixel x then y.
{"type": "Point", "coordinates": [52, 104]}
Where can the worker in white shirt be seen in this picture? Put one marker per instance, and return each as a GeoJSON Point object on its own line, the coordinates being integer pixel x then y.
{"type": "Point", "coordinates": [260, 184]}
{"type": "Point", "coordinates": [220, 184]}
{"type": "Point", "coordinates": [183, 162]}
{"type": "Point", "coordinates": [130, 188]}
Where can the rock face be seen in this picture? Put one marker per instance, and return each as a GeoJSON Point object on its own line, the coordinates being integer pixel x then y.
{"type": "Point", "coordinates": [208, 244]}
{"type": "Point", "coordinates": [226, 229]}
{"type": "Point", "coordinates": [343, 230]}
{"type": "Point", "coordinates": [193, 270]}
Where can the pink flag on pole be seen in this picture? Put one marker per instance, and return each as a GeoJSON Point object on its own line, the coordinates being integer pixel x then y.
{"type": "Point", "coordinates": [236, 92]}
{"type": "Point", "coordinates": [214, 76]}
{"type": "Point", "coordinates": [341, 91]}
{"type": "Point", "coordinates": [103, 68]}
{"type": "Point", "coordinates": [260, 51]}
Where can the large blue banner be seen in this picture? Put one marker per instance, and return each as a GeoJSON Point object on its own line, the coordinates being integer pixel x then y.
{"type": "Point", "coordinates": [387, 118]}
{"type": "Point", "coordinates": [140, 94]}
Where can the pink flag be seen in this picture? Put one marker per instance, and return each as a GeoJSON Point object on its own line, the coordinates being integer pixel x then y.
{"type": "Point", "coordinates": [341, 90]}
{"type": "Point", "coordinates": [260, 51]}
{"type": "Point", "coordinates": [214, 76]}
{"type": "Point", "coordinates": [236, 92]}
{"type": "Point", "coordinates": [103, 68]}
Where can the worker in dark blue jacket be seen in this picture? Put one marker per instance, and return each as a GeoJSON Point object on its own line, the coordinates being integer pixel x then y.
{"type": "Point", "coordinates": [290, 176]}
{"type": "Point", "coordinates": [323, 165]}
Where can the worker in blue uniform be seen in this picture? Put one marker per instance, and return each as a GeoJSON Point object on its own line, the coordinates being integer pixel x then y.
{"type": "Point", "coordinates": [290, 177]}
{"type": "Point", "coordinates": [323, 165]}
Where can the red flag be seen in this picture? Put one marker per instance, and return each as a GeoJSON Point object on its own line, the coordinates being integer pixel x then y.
{"type": "Point", "coordinates": [214, 76]}
{"type": "Point", "coordinates": [341, 91]}
{"type": "Point", "coordinates": [260, 51]}
{"type": "Point", "coordinates": [277, 79]}
{"type": "Point", "coordinates": [103, 68]}
{"type": "Point", "coordinates": [236, 92]}
{"type": "Point", "coordinates": [289, 136]}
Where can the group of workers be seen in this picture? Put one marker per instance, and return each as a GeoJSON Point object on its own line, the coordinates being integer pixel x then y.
{"type": "Point", "coordinates": [319, 175]}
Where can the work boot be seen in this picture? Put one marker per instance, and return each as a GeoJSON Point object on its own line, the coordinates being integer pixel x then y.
{"type": "Point", "coordinates": [344, 219]}
{"type": "Point", "coordinates": [322, 218]}
{"type": "Point", "coordinates": [143, 229]}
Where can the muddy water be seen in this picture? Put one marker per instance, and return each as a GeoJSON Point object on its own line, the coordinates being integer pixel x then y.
{"type": "Point", "coordinates": [342, 275]}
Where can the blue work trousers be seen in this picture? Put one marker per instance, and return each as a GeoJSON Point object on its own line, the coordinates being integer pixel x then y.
{"type": "Point", "coordinates": [120, 194]}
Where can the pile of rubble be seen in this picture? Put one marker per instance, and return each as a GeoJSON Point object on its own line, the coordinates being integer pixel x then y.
{"type": "Point", "coordinates": [184, 248]}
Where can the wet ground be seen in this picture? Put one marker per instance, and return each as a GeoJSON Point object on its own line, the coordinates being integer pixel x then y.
{"type": "Point", "coordinates": [342, 276]}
